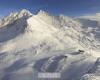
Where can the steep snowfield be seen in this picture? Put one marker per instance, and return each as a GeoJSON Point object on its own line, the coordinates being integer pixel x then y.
{"type": "Point", "coordinates": [43, 43]}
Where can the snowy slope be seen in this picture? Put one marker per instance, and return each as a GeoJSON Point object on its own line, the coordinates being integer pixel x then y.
{"type": "Point", "coordinates": [43, 43]}
{"type": "Point", "coordinates": [94, 72]}
{"type": "Point", "coordinates": [91, 29]}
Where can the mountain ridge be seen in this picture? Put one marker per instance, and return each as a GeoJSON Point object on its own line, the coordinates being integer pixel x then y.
{"type": "Point", "coordinates": [44, 43]}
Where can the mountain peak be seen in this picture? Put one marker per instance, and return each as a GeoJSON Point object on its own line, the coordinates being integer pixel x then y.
{"type": "Point", "coordinates": [25, 12]}
{"type": "Point", "coordinates": [41, 12]}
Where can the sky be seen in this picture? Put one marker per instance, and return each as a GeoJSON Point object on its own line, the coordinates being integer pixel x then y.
{"type": "Point", "coordinates": [55, 7]}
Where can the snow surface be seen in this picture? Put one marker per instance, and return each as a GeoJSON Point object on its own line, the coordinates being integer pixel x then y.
{"type": "Point", "coordinates": [30, 44]}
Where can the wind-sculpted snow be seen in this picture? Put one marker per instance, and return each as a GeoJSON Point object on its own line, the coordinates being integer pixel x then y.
{"type": "Point", "coordinates": [94, 72]}
{"type": "Point", "coordinates": [71, 66]}
{"type": "Point", "coordinates": [30, 44]}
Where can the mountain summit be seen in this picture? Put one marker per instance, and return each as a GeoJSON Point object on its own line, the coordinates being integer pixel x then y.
{"type": "Point", "coordinates": [15, 16]}
{"type": "Point", "coordinates": [41, 12]}
{"type": "Point", "coordinates": [25, 12]}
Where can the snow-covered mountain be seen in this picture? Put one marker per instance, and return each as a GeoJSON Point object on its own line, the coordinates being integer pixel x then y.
{"type": "Point", "coordinates": [43, 43]}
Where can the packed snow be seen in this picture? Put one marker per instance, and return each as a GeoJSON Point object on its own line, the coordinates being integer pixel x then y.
{"type": "Point", "coordinates": [41, 43]}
